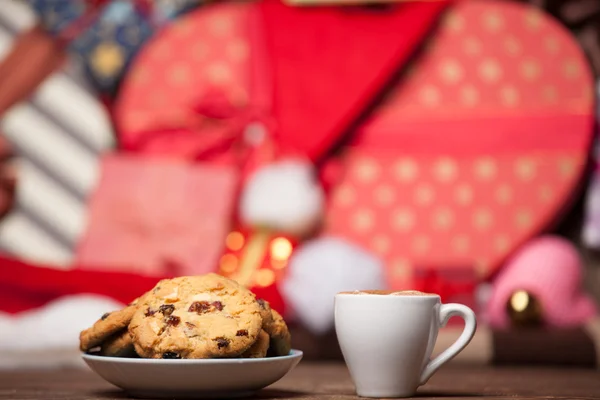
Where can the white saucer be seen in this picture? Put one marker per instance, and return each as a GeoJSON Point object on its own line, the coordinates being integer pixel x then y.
{"type": "Point", "coordinates": [206, 378]}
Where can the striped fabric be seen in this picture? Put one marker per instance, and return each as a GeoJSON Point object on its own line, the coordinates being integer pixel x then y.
{"type": "Point", "coordinates": [58, 136]}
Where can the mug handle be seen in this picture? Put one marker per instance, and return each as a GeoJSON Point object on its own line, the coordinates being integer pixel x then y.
{"type": "Point", "coordinates": [446, 312]}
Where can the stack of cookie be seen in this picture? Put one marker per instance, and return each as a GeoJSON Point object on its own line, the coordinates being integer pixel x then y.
{"type": "Point", "coordinates": [206, 316]}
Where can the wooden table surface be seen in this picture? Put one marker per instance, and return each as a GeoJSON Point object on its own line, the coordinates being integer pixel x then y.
{"type": "Point", "coordinates": [331, 381]}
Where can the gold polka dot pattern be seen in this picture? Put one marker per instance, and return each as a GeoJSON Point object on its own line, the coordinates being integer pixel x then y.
{"type": "Point", "coordinates": [480, 211]}
{"type": "Point", "coordinates": [452, 186]}
{"type": "Point", "coordinates": [501, 56]}
{"type": "Point", "coordinates": [206, 51]}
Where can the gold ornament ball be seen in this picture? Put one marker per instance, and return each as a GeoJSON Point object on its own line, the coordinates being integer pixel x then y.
{"type": "Point", "coordinates": [524, 309]}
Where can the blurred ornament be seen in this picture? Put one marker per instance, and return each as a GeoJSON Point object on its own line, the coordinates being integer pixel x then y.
{"type": "Point", "coordinates": [234, 241]}
{"type": "Point", "coordinates": [524, 309]}
{"type": "Point", "coordinates": [284, 196]}
{"type": "Point", "coordinates": [319, 269]}
{"type": "Point", "coordinates": [256, 258]}
{"type": "Point", "coordinates": [280, 203]}
{"type": "Point", "coordinates": [281, 249]}
{"type": "Point", "coordinates": [541, 282]}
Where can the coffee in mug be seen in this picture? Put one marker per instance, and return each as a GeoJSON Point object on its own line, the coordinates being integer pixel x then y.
{"type": "Point", "coordinates": [389, 292]}
{"type": "Point", "coordinates": [387, 338]}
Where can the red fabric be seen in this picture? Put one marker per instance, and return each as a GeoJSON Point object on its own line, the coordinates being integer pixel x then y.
{"type": "Point", "coordinates": [24, 286]}
{"type": "Point", "coordinates": [455, 284]}
{"type": "Point", "coordinates": [309, 75]}
{"type": "Point", "coordinates": [329, 63]}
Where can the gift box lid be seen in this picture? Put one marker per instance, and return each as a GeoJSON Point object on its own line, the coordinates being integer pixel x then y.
{"type": "Point", "coordinates": [479, 147]}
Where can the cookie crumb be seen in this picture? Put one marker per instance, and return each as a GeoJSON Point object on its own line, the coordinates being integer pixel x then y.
{"type": "Point", "coordinates": [172, 297]}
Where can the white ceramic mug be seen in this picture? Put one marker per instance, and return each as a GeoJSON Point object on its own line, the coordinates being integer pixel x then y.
{"type": "Point", "coordinates": [387, 339]}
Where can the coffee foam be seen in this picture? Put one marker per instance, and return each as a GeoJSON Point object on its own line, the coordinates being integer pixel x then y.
{"type": "Point", "coordinates": [388, 293]}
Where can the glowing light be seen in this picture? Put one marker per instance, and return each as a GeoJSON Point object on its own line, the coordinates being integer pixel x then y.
{"type": "Point", "coordinates": [279, 264]}
{"type": "Point", "coordinates": [234, 241]}
{"type": "Point", "coordinates": [519, 300]}
{"type": "Point", "coordinates": [228, 263]}
{"type": "Point", "coordinates": [264, 277]}
{"type": "Point", "coordinates": [281, 249]}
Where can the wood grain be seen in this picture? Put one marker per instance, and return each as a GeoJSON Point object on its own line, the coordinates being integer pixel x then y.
{"type": "Point", "coordinates": [331, 381]}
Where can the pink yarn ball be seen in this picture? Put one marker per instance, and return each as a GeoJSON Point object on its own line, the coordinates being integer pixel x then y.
{"type": "Point", "coordinates": [550, 268]}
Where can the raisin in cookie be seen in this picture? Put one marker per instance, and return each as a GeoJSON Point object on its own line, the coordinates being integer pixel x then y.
{"type": "Point", "coordinates": [259, 348]}
{"type": "Point", "coordinates": [118, 345]}
{"type": "Point", "coordinates": [205, 316]}
{"type": "Point", "coordinates": [106, 326]}
{"type": "Point", "coordinates": [281, 340]}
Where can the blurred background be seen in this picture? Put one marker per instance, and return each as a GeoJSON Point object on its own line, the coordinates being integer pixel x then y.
{"type": "Point", "coordinates": [303, 147]}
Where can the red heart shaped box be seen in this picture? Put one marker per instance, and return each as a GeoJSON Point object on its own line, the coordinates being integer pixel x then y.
{"type": "Point", "coordinates": [478, 149]}
{"type": "Point", "coordinates": [198, 83]}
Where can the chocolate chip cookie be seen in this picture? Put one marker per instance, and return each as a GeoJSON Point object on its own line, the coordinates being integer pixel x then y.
{"type": "Point", "coordinates": [207, 316]}
{"type": "Point", "coordinates": [118, 345]}
{"type": "Point", "coordinates": [109, 324]}
{"type": "Point", "coordinates": [265, 312]}
{"type": "Point", "coordinates": [280, 338]}
{"type": "Point", "coordinates": [259, 348]}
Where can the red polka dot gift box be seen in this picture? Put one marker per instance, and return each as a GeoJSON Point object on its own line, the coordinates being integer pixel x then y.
{"type": "Point", "coordinates": [200, 87]}
{"type": "Point", "coordinates": [190, 90]}
{"type": "Point", "coordinates": [480, 147]}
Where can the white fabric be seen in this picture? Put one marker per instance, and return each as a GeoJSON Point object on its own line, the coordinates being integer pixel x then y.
{"type": "Point", "coordinates": [321, 268]}
{"type": "Point", "coordinates": [48, 337]}
{"type": "Point", "coordinates": [284, 196]}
